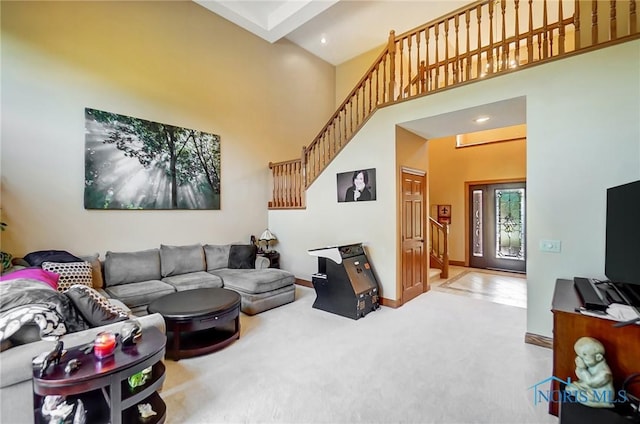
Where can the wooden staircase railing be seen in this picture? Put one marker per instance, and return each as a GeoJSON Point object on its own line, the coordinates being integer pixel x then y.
{"type": "Point", "coordinates": [439, 247]}
{"type": "Point", "coordinates": [482, 40]}
{"type": "Point", "coordinates": [288, 184]}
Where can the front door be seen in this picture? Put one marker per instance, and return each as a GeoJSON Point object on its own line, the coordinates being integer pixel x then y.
{"type": "Point", "coordinates": [497, 226]}
{"type": "Point", "coordinates": [414, 261]}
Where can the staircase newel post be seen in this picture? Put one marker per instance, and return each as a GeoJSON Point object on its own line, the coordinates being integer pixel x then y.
{"type": "Point", "coordinates": [445, 253]}
{"type": "Point", "coordinates": [303, 167]}
{"type": "Point", "coordinates": [391, 49]}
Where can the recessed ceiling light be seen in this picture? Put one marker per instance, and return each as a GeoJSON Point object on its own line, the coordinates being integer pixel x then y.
{"type": "Point", "coordinates": [323, 40]}
{"type": "Point", "coordinates": [481, 119]}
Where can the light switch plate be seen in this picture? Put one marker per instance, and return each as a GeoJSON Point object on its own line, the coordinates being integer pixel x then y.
{"type": "Point", "coordinates": [553, 246]}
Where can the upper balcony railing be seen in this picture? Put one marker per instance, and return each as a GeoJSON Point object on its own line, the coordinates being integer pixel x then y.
{"type": "Point", "coordinates": [482, 40]}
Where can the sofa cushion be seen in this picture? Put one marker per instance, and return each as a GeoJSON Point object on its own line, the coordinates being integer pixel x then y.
{"type": "Point", "coordinates": [131, 267]}
{"type": "Point", "coordinates": [193, 280]}
{"type": "Point", "coordinates": [139, 294]}
{"type": "Point", "coordinates": [70, 273]}
{"type": "Point", "coordinates": [176, 260]}
{"type": "Point", "coordinates": [242, 256]}
{"type": "Point", "coordinates": [254, 280]}
{"type": "Point", "coordinates": [37, 258]}
{"type": "Point", "coordinates": [95, 308]}
{"type": "Point", "coordinates": [254, 303]}
{"type": "Point", "coordinates": [217, 256]}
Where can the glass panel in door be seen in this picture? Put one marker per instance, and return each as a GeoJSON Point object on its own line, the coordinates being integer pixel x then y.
{"type": "Point", "coordinates": [497, 226]}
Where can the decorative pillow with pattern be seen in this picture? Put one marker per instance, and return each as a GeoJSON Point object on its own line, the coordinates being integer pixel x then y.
{"type": "Point", "coordinates": [70, 273]}
{"type": "Point", "coordinates": [49, 321]}
{"type": "Point", "coordinates": [94, 307]}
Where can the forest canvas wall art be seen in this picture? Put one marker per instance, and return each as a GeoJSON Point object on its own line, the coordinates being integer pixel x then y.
{"type": "Point", "coordinates": [132, 163]}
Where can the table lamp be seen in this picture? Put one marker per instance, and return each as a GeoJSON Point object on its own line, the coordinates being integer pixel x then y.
{"type": "Point", "coordinates": [268, 238]}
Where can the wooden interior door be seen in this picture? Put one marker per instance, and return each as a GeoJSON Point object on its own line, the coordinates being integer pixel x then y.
{"type": "Point", "coordinates": [414, 259]}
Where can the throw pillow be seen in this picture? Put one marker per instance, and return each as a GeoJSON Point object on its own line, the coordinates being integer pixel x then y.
{"type": "Point", "coordinates": [242, 256]}
{"type": "Point", "coordinates": [70, 273]}
{"type": "Point", "coordinates": [96, 270]}
{"type": "Point", "coordinates": [39, 274]}
{"type": "Point", "coordinates": [37, 258]}
{"type": "Point", "coordinates": [95, 308]}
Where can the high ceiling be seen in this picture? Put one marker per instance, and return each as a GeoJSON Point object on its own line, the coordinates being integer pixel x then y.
{"type": "Point", "coordinates": [353, 27]}
{"type": "Point", "coordinates": [350, 27]}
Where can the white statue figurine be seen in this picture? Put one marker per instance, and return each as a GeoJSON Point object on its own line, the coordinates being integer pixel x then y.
{"type": "Point", "coordinates": [595, 381]}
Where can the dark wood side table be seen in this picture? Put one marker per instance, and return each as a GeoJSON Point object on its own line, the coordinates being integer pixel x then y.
{"type": "Point", "coordinates": [102, 384]}
{"type": "Point", "coordinates": [197, 320]}
{"type": "Point", "coordinates": [622, 345]}
{"type": "Point", "coordinates": [274, 258]}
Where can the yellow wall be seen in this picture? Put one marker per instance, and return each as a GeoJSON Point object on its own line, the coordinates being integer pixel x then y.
{"type": "Point", "coordinates": [450, 168]}
{"type": "Point", "coordinates": [411, 150]}
{"type": "Point", "coordinates": [172, 62]}
{"type": "Point", "coordinates": [350, 72]}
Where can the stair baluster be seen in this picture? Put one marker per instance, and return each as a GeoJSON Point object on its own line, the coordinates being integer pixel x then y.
{"type": "Point", "coordinates": [396, 79]}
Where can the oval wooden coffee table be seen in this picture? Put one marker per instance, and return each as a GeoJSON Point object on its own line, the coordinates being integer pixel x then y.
{"type": "Point", "coordinates": [199, 321]}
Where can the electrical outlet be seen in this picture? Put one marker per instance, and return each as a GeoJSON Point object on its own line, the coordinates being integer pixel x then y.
{"type": "Point", "coordinates": [553, 246]}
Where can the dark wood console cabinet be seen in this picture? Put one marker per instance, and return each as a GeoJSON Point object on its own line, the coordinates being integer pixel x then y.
{"type": "Point", "coordinates": [622, 345]}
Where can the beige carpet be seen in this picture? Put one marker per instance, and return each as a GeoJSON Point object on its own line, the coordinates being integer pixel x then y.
{"type": "Point", "coordinates": [438, 359]}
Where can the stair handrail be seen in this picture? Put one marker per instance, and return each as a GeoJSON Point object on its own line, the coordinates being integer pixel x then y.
{"type": "Point", "coordinates": [543, 41]}
{"type": "Point", "coordinates": [439, 246]}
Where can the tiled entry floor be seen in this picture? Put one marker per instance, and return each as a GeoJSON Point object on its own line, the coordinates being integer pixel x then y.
{"type": "Point", "coordinates": [495, 286]}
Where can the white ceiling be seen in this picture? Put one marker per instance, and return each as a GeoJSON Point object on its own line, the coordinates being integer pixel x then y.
{"type": "Point", "coordinates": [505, 113]}
{"type": "Point", "coordinates": [350, 27]}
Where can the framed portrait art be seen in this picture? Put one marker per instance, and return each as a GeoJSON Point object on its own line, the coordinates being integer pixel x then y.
{"type": "Point", "coordinates": [356, 186]}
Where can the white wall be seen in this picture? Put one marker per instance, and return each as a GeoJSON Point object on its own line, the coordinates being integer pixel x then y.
{"type": "Point", "coordinates": [326, 222]}
{"type": "Point", "coordinates": [582, 137]}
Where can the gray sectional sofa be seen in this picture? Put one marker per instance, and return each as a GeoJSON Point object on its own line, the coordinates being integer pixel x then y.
{"type": "Point", "coordinates": [138, 278]}
{"type": "Point", "coordinates": [131, 280]}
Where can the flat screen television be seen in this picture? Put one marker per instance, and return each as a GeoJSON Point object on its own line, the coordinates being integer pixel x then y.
{"type": "Point", "coordinates": [622, 251]}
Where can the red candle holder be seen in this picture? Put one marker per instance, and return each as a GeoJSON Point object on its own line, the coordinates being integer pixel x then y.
{"type": "Point", "coordinates": [104, 344]}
